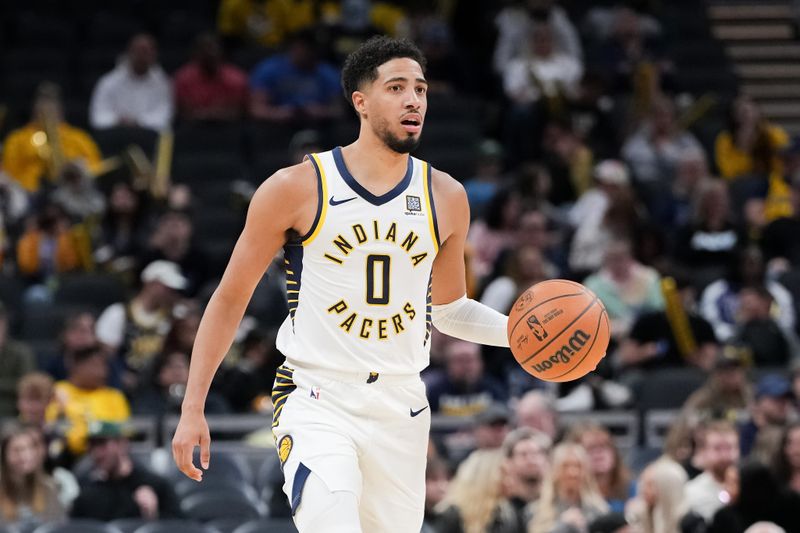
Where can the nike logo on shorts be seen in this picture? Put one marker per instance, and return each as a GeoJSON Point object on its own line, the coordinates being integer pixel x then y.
{"type": "Point", "coordinates": [339, 202]}
{"type": "Point", "coordinates": [414, 413]}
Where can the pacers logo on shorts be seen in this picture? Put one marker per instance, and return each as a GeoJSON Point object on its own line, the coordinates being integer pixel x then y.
{"type": "Point", "coordinates": [285, 448]}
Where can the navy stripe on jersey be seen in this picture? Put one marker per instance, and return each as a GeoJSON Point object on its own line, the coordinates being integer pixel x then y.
{"type": "Point", "coordinates": [320, 199]}
{"type": "Point", "coordinates": [284, 385]}
{"type": "Point", "coordinates": [293, 257]}
{"type": "Point", "coordinates": [428, 310]}
{"type": "Point", "coordinates": [364, 193]}
{"type": "Point", "coordinates": [433, 205]}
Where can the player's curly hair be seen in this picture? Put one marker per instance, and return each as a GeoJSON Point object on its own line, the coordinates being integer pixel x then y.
{"type": "Point", "coordinates": [362, 65]}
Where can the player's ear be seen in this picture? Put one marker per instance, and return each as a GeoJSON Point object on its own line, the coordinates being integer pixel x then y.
{"type": "Point", "coordinates": [359, 102]}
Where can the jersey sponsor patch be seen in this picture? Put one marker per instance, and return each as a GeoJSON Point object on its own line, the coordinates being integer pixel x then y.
{"type": "Point", "coordinates": [285, 448]}
{"type": "Point", "coordinates": [413, 203]}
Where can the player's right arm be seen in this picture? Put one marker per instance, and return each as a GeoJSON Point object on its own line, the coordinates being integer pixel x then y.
{"type": "Point", "coordinates": [284, 202]}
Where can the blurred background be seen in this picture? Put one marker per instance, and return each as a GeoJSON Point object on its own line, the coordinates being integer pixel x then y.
{"type": "Point", "coordinates": [645, 148]}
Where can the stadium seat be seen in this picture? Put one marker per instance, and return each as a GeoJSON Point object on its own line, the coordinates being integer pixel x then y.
{"type": "Point", "coordinates": [112, 29]}
{"type": "Point", "coordinates": [204, 168]}
{"type": "Point", "coordinates": [264, 526]}
{"type": "Point", "coordinates": [114, 141]}
{"type": "Point", "coordinates": [223, 466]}
{"type": "Point", "coordinates": [210, 138]}
{"type": "Point", "coordinates": [43, 322]}
{"type": "Point", "coordinates": [37, 28]}
{"type": "Point", "coordinates": [92, 290]}
{"type": "Point", "coordinates": [668, 388]}
{"type": "Point", "coordinates": [227, 525]}
{"type": "Point", "coordinates": [213, 505]}
{"type": "Point", "coordinates": [176, 526]}
{"type": "Point", "coordinates": [266, 163]}
{"type": "Point", "coordinates": [267, 474]}
{"type": "Point", "coordinates": [77, 526]}
{"type": "Point", "coordinates": [188, 487]}
{"type": "Point", "coordinates": [217, 224]}
{"type": "Point", "coordinates": [129, 525]}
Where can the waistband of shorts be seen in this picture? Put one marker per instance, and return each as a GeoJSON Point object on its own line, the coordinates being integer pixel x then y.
{"type": "Point", "coordinates": [364, 378]}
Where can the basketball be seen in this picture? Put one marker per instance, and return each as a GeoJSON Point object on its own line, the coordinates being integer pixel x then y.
{"type": "Point", "coordinates": [558, 330]}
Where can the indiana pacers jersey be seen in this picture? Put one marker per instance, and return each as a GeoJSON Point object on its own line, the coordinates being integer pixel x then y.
{"type": "Point", "coordinates": [359, 282]}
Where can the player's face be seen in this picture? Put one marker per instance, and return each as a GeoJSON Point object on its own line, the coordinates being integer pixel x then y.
{"type": "Point", "coordinates": [395, 104]}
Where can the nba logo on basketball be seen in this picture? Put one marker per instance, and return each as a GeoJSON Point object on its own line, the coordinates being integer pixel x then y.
{"type": "Point", "coordinates": [537, 328]}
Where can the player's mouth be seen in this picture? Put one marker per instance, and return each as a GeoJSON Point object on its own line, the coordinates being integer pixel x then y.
{"type": "Point", "coordinates": [412, 123]}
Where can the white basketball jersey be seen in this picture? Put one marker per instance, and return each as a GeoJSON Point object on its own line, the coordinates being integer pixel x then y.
{"type": "Point", "coordinates": [359, 281]}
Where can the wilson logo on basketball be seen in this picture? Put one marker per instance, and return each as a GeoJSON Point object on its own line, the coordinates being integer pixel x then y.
{"type": "Point", "coordinates": [563, 355]}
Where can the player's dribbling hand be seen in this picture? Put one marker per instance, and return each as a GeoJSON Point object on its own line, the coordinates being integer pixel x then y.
{"type": "Point", "coordinates": [192, 431]}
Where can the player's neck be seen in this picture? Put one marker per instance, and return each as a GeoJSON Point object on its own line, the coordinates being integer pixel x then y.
{"type": "Point", "coordinates": [374, 165]}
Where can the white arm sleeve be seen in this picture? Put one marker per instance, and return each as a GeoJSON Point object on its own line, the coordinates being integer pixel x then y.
{"type": "Point", "coordinates": [471, 321]}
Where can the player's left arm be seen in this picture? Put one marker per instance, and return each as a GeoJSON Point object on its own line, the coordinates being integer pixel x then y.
{"type": "Point", "coordinates": [453, 313]}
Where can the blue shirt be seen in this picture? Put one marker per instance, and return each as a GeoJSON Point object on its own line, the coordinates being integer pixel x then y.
{"type": "Point", "coordinates": [288, 85]}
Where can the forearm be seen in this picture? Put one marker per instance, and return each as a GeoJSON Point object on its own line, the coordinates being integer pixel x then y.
{"type": "Point", "coordinates": [214, 338]}
{"type": "Point", "coordinates": [471, 321]}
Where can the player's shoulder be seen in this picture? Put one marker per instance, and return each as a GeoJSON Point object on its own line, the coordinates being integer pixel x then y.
{"type": "Point", "coordinates": [446, 189]}
{"type": "Point", "coordinates": [289, 184]}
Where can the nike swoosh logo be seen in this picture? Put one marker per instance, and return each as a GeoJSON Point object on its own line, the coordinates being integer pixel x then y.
{"type": "Point", "coordinates": [339, 202]}
{"type": "Point", "coordinates": [415, 413]}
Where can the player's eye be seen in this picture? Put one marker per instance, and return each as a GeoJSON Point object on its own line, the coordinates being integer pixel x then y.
{"type": "Point", "coordinates": [394, 88]}
{"type": "Point", "coordinates": [422, 90]}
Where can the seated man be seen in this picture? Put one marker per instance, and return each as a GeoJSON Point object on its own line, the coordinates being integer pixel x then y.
{"type": "Point", "coordinates": [116, 487]}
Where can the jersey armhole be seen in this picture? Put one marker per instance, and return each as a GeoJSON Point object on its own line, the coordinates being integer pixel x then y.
{"type": "Point", "coordinates": [322, 193]}
{"type": "Point", "coordinates": [434, 225]}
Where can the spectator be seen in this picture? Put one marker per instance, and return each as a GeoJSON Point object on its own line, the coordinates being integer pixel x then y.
{"type": "Point", "coordinates": [770, 410]}
{"type": "Point", "coordinates": [136, 93]}
{"type": "Point", "coordinates": [34, 393]}
{"type": "Point", "coordinates": [719, 449]}
{"type": "Point", "coordinates": [535, 411]}
{"type": "Point", "coordinates": [77, 194]}
{"type": "Point", "coordinates": [208, 88]}
{"type": "Point", "coordinates": [496, 232]}
{"type": "Point", "coordinates": [135, 331]}
{"type": "Point", "coordinates": [727, 392]}
{"type": "Point", "coordinates": [464, 389]}
{"type": "Point", "coordinates": [524, 267]}
{"type": "Point", "coordinates": [446, 69]}
{"type": "Point", "coordinates": [488, 177]}
{"type": "Point", "coordinates": [492, 426]}
{"type": "Point", "coordinates": [248, 385]}
{"type": "Point", "coordinates": [710, 242]}
{"type": "Point", "coordinates": [609, 469]}
{"type": "Point", "coordinates": [661, 506]}
{"type": "Point", "coordinates": [721, 300]}
{"type": "Point", "coordinates": [263, 23]}
{"type": "Point", "coordinates": [527, 463]}
{"type": "Point", "coordinates": [754, 497]}
{"type": "Point", "coordinates": [750, 144]}
{"type": "Point", "coordinates": [116, 486]}
{"type": "Point", "coordinates": [172, 240]}
{"type": "Point", "coordinates": [121, 232]}
{"type": "Point", "coordinates": [759, 331]}
{"type": "Point", "coordinates": [655, 150]}
{"type": "Point", "coordinates": [295, 86]}
{"type": "Point", "coordinates": [163, 393]}
{"type": "Point", "coordinates": [39, 150]}
{"type": "Point", "coordinates": [77, 334]}
{"type": "Point", "coordinates": [653, 343]}
{"type": "Point", "coordinates": [437, 481]}
{"type": "Point", "coordinates": [28, 496]}
{"type": "Point", "coordinates": [14, 204]}
{"type": "Point", "coordinates": [85, 396]}
{"type": "Point", "coordinates": [16, 360]}
{"type": "Point", "coordinates": [626, 287]}
{"type": "Point", "coordinates": [65, 483]}
{"type": "Point", "coordinates": [474, 502]}
{"type": "Point", "coordinates": [516, 22]}
{"type": "Point", "coordinates": [691, 176]}
{"type": "Point", "coordinates": [51, 246]}
{"type": "Point", "coordinates": [570, 498]}
{"type": "Point", "coordinates": [786, 461]}
{"type": "Point", "coordinates": [604, 213]}
{"type": "Point", "coordinates": [779, 240]}
{"type": "Point", "coordinates": [569, 160]}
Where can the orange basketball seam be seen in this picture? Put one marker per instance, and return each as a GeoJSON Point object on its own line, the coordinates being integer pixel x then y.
{"type": "Point", "coordinates": [557, 335]}
{"type": "Point", "coordinates": [525, 314]}
{"type": "Point", "coordinates": [588, 351]}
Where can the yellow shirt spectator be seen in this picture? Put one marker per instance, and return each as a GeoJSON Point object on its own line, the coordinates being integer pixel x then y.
{"type": "Point", "coordinates": [264, 22]}
{"type": "Point", "coordinates": [23, 154]}
{"type": "Point", "coordinates": [80, 407]}
{"type": "Point", "coordinates": [732, 161]}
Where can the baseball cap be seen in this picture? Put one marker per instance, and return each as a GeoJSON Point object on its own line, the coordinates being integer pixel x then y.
{"type": "Point", "coordinates": [611, 172]}
{"type": "Point", "coordinates": [165, 272]}
{"type": "Point", "coordinates": [774, 386]}
{"type": "Point", "coordinates": [496, 412]}
{"type": "Point", "coordinates": [733, 356]}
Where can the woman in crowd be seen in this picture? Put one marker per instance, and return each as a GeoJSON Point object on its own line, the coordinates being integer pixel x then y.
{"type": "Point", "coordinates": [474, 502]}
{"type": "Point", "coordinates": [27, 495]}
{"type": "Point", "coordinates": [661, 504]}
{"type": "Point", "coordinates": [786, 463]}
{"type": "Point", "coordinates": [609, 470]}
{"type": "Point", "coordinates": [570, 498]}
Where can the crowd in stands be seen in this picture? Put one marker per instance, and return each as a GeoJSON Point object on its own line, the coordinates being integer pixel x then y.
{"type": "Point", "coordinates": [583, 157]}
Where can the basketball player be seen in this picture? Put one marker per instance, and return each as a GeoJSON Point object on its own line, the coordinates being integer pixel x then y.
{"type": "Point", "coordinates": [374, 246]}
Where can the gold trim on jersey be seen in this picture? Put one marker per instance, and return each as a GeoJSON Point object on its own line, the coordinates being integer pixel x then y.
{"type": "Point", "coordinates": [429, 204]}
{"type": "Point", "coordinates": [323, 200]}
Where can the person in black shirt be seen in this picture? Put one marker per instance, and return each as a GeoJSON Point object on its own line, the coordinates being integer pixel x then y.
{"type": "Point", "coordinates": [116, 487]}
